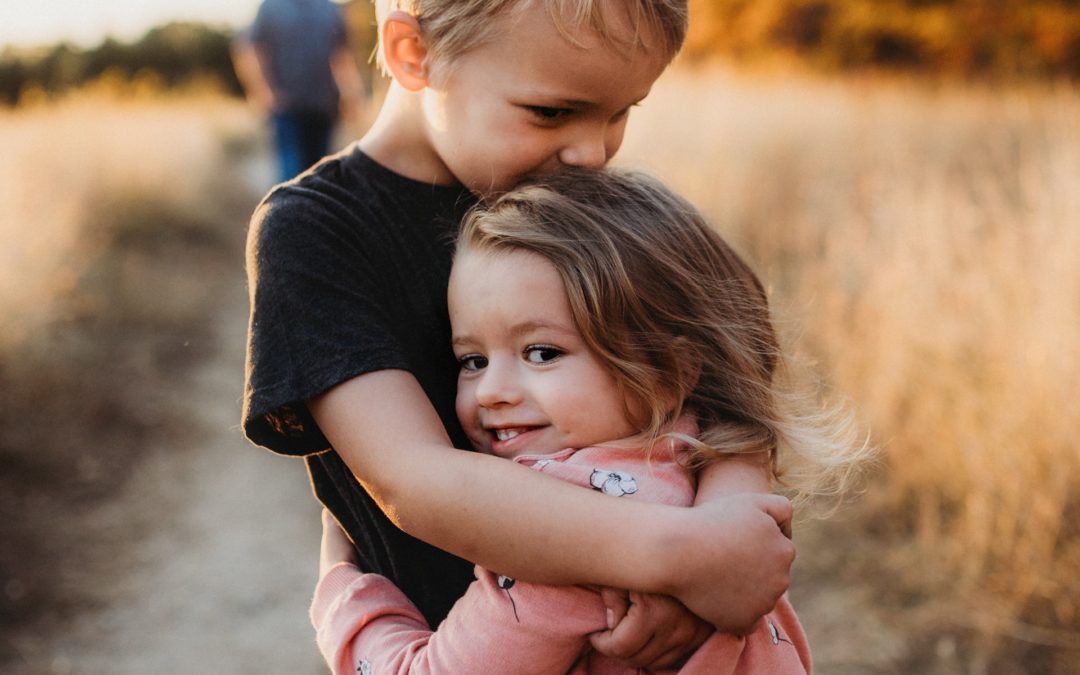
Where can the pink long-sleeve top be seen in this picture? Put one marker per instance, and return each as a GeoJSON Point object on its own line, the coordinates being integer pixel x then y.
{"type": "Point", "coordinates": [365, 625]}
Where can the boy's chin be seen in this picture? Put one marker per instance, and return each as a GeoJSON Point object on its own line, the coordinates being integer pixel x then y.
{"type": "Point", "coordinates": [489, 189]}
{"type": "Point", "coordinates": [490, 192]}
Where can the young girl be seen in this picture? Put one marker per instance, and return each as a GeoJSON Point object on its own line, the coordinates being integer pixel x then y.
{"type": "Point", "coordinates": [607, 337]}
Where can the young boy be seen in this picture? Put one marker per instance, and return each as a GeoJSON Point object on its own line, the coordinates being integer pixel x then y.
{"type": "Point", "coordinates": [349, 359]}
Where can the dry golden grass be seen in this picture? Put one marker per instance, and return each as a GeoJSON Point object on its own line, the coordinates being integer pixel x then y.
{"type": "Point", "coordinates": [73, 170]}
{"type": "Point", "coordinates": [926, 244]}
{"type": "Point", "coordinates": [123, 218]}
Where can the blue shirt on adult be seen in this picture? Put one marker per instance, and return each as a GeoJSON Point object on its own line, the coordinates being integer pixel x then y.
{"type": "Point", "coordinates": [295, 40]}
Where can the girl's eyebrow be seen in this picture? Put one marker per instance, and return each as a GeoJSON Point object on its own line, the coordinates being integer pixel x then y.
{"type": "Point", "coordinates": [523, 328]}
{"type": "Point", "coordinates": [526, 327]}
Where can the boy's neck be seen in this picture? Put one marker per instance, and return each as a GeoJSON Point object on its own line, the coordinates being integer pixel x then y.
{"type": "Point", "coordinates": [398, 140]}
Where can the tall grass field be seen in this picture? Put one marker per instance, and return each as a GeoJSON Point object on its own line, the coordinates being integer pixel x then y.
{"type": "Point", "coordinates": [123, 218]}
{"type": "Point", "coordinates": [923, 246]}
{"type": "Point", "coordinates": [107, 162]}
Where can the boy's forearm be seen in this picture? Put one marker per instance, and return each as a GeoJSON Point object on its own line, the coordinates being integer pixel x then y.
{"type": "Point", "coordinates": [485, 509]}
{"type": "Point", "coordinates": [529, 526]}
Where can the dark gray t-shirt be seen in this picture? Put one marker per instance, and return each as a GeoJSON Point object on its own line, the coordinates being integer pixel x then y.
{"type": "Point", "coordinates": [295, 39]}
{"type": "Point", "coordinates": [348, 267]}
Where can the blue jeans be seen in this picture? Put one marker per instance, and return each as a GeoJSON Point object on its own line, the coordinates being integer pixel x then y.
{"type": "Point", "coordinates": [302, 138]}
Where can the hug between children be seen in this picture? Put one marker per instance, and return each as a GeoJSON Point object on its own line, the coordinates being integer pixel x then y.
{"type": "Point", "coordinates": [596, 326]}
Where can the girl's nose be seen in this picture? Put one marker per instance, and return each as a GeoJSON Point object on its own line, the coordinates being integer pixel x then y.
{"type": "Point", "coordinates": [498, 386]}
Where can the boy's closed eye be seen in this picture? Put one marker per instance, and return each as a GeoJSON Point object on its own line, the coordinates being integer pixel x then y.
{"type": "Point", "coordinates": [552, 115]}
{"type": "Point", "coordinates": [548, 114]}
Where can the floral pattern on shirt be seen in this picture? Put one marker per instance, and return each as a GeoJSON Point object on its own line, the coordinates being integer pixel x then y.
{"type": "Point", "coordinates": [614, 483]}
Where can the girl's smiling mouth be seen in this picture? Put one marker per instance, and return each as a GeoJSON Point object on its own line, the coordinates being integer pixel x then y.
{"type": "Point", "coordinates": [506, 434]}
{"type": "Point", "coordinates": [510, 441]}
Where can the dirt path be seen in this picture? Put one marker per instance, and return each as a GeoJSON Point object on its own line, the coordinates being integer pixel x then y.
{"type": "Point", "coordinates": [221, 553]}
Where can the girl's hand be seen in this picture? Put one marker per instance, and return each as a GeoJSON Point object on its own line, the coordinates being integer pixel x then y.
{"type": "Point", "coordinates": [648, 631]}
{"type": "Point", "coordinates": [335, 547]}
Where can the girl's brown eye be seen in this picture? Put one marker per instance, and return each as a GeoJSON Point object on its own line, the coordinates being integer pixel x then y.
{"type": "Point", "coordinates": [542, 354]}
{"type": "Point", "coordinates": [473, 362]}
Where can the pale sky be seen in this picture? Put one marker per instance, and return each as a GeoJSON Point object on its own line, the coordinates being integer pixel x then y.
{"type": "Point", "coordinates": [86, 22]}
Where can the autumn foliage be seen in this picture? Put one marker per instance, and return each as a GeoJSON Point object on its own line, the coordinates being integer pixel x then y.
{"type": "Point", "coordinates": [995, 38]}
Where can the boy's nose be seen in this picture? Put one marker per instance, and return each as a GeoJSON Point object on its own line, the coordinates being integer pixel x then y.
{"type": "Point", "coordinates": [587, 150]}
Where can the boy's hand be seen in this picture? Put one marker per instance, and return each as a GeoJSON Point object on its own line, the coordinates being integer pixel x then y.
{"type": "Point", "coordinates": [740, 579]}
{"type": "Point", "coordinates": [648, 631]}
{"type": "Point", "coordinates": [335, 546]}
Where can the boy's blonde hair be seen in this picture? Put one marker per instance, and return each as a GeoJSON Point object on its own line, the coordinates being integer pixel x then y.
{"type": "Point", "coordinates": [453, 27]}
{"type": "Point", "coordinates": [676, 315]}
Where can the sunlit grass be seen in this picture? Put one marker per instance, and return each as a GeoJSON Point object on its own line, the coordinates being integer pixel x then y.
{"type": "Point", "coordinates": [123, 220]}
{"type": "Point", "coordinates": [926, 245]}
{"type": "Point", "coordinates": [69, 167]}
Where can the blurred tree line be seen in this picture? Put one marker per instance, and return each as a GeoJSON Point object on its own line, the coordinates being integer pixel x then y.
{"type": "Point", "coordinates": [981, 38]}
{"type": "Point", "coordinates": [170, 56]}
{"type": "Point", "coordinates": [173, 55]}
{"type": "Point", "coordinates": [996, 38]}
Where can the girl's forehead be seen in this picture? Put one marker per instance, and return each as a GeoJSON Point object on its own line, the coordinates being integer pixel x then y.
{"type": "Point", "coordinates": [494, 290]}
{"type": "Point", "coordinates": [475, 259]}
{"type": "Point", "coordinates": [503, 271]}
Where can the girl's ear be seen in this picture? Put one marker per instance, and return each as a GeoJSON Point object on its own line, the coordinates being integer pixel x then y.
{"type": "Point", "coordinates": [689, 365]}
{"type": "Point", "coordinates": [682, 382]}
{"type": "Point", "coordinates": [404, 50]}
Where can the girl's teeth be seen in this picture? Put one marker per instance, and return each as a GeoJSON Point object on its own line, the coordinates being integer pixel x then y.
{"type": "Point", "coordinates": [505, 434]}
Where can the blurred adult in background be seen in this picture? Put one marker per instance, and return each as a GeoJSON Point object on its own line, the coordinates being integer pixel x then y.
{"type": "Point", "coordinates": [295, 64]}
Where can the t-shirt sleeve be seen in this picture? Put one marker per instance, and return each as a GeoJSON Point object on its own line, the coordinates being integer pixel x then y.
{"type": "Point", "coordinates": [319, 316]}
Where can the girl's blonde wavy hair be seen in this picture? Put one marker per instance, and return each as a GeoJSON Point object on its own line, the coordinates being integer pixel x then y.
{"type": "Point", "coordinates": [453, 27]}
{"type": "Point", "coordinates": [678, 317]}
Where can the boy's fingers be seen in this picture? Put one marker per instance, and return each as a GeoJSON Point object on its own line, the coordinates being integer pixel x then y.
{"type": "Point", "coordinates": [781, 510]}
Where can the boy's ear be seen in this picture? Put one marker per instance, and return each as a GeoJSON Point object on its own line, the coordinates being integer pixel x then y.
{"type": "Point", "coordinates": [405, 51]}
